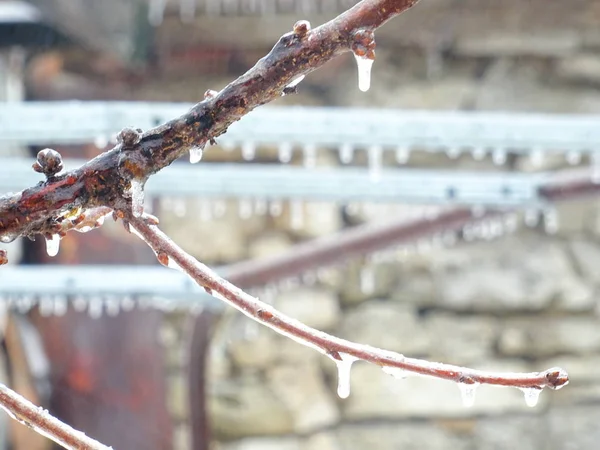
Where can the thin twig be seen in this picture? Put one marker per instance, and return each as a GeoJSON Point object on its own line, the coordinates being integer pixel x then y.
{"type": "Point", "coordinates": [336, 348]}
{"type": "Point", "coordinates": [107, 179]}
{"type": "Point", "coordinates": [42, 422]}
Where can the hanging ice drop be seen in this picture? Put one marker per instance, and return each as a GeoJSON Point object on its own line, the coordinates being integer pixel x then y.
{"type": "Point", "coordinates": [532, 395]}
{"type": "Point", "coordinates": [499, 156]}
{"type": "Point", "coordinates": [296, 214]}
{"type": "Point", "coordinates": [343, 367]}
{"type": "Point", "coordinates": [196, 154]}
{"type": "Point", "coordinates": [52, 245]}
{"type": "Point", "coordinates": [467, 393]}
{"type": "Point", "coordinates": [364, 66]}
{"type": "Point", "coordinates": [248, 151]}
{"type": "Point", "coordinates": [285, 152]}
{"type": "Point", "coordinates": [310, 156]}
{"type": "Point", "coordinates": [346, 153]}
{"type": "Point", "coordinates": [374, 155]}
{"type": "Point", "coordinates": [402, 155]}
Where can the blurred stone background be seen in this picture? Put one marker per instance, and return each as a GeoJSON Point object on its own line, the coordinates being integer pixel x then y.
{"type": "Point", "coordinates": [523, 302]}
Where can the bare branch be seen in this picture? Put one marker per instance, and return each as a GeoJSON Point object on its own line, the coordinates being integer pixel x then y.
{"type": "Point", "coordinates": [115, 178]}
{"type": "Point", "coordinates": [40, 421]}
{"type": "Point", "coordinates": [340, 350]}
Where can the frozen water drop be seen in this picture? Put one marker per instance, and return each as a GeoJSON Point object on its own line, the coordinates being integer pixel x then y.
{"type": "Point", "coordinates": [60, 305]}
{"type": "Point", "coordinates": [206, 211]}
{"type": "Point", "coordinates": [453, 152]}
{"type": "Point", "coordinates": [179, 207]}
{"type": "Point", "coordinates": [260, 206]}
{"type": "Point", "coordinates": [374, 154]}
{"type": "Point", "coordinates": [127, 303]}
{"type": "Point", "coordinates": [402, 155]}
{"type": "Point", "coordinates": [346, 152]}
{"type": "Point", "coordinates": [573, 157]}
{"type": "Point", "coordinates": [478, 153]}
{"type": "Point", "coordinates": [532, 217]}
{"type": "Point", "coordinates": [344, 365]}
{"type": "Point", "coordinates": [367, 280]}
{"type": "Point", "coordinates": [137, 197]}
{"type": "Point", "coordinates": [364, 66]}
{"type": "Point", "coordinates": [551, 221]}
{"type": "Point", "coordinates": [45, 306]}
{"type": "Point", "coordinates": [396, 372]}
{"type": "Point", "coordinates": [296, 214]}
{"type": "Point", "coordinates": [285, 152]}
{"type": "Point", "coordinates": [310, 156]}
{"type": "Point", "coordinates": [245, 209]}
{"type": "Point", "coordinates": [7, 238]}
{"type": "Point", "coordinates": [295, 82]}
{"type": "Point", "coordinates": [95, 307]}
{"type": "Point", "coordinates": [112, 306]}
{"type": "Point", "coordinates": [79, 303]}
{"type": "Point", "coordinates": [196, 154]}
{"type": "Point", "coordinates": [156, 11]}
{"type": "Point", "coordinates": [467, 393]}
{"type": "Point", "coordinates": [101, 141]}
{"type": "Point", "coordinates": [275, 208]}
{"type": "Point", "coordinates": [532, 396]}
{"type": "Point", "coordinates": [248, 151]}
{"type": "Point", "coordinates": [499, 156]}
{"type": "Point", "coordinates": [52, 245]}
{"type": "Point", "coordinates": [537, 157]}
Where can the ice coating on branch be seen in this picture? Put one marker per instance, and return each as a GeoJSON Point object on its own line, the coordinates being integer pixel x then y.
{"type": "Point", "coordinates": [137, 197]}
{"type": "Point", "coordinates": [52, 245]}
{"type": "Point", "coordinates": [344, 365]}
{"type": "Point", "coordinates": [467, 393]}
{"type": "Point", "coordinates": [532, 395]}
{"type": "Point", "coordinates": [196, 154]}
{"type": "Point", "coordinates": [364, 66]}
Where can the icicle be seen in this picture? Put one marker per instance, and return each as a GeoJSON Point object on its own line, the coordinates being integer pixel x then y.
{"type": "Point", "coordinates": [60, 305]}
{"type": "Point", "coordinates": [95, 307]}
{"type": "Point", "coordinates": [396, 372]}
{"type": "Point", "coordinates": [179, 207]}
{"type": "Point", "coordinates": [285, 152]}
{"type": "Point", "coordinates": [499, 156]}
{"type": "Point", "coordinates": [112, 306]}
{"type": "Point", "coordinates": [478, 153]}
{"type": "Point", "coordinates": [467, 393]}
{"type": "Point", "coordinates": [343, 367]}
{"type": "Point", "coordinates": [137, 197]}
{"type": "Point", "coordinates": [295, 82]}
{"type": "Point", "coordinates": [537, 157]}
{"type": "Point", "coordinates": [453, 152]}
{"type": "Point", "coordinates": [79, 303]}
{"type": "Point", "coordinates": [156, 11]}
{"type": "Point", "coordinates": [196, 154]}
{"type": "Point", "coordinates": [101, 142]}
{"type": "Point", "coordinates": [296, 214]}
{"type": "Point", "coordinates": [7, 238]}
{"type": "Point", "coordinates": [45, 306]}
{"type": "Point", "coordinates": [402, 155]}
{"type": "Point", "coordinates": [206, 211]}
{"type": "Point", "coordinates": [220, 208]}
{"type": "Point", "coordinates": [248, 151]}
{"type": "Point", "coordinates": [245, 208]}
{"type": "Point", "coordinates": [52, 245]}
{"type": "Point", "coordinates": [310, 156]}
{"type": "Point", "coordinates": [187, 10]}
{"type": "Point", "coordinates": [127, 303]}
{"type": "Point", "coordinates": [260, 206]}
{"type": "Point", "coordinates": [346, 152]}
{"type": "Point", "coordinates": [275, 208]}
{"type": "Point", "coordinates": [374, 155]}
{"type": "Point", "coordinates": [367, 280]}
{"type": "Point", "coordinates": [532, 217]}
{"type": "Point", "coordinates": [573, 157]}
{"type": "Point", "coordinates": [550, 221]}
{"type": "Point", "coordinates": [532, 395]}
{"type": "Point", "coordinates": [364, 66]}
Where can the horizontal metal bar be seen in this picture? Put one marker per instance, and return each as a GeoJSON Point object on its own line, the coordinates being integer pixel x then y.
{"type": "Point", "coordinates": [45, 123]}
{"type": "Point", "coordinates": [161, 287]}
{"type": "Point", "coordinates": [337, 184]}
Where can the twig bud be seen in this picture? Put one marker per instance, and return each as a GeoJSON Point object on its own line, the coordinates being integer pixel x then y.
{"type": "Point", "coordinates": [49, 162]}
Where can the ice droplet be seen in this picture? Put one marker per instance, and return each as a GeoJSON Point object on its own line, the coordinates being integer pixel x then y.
{"type": "Point", "coordinates": [532, 396]}
{"type": "Point", "coordinates": [285, 152]}
{"type": "Point", "coordinates": [396, 372]}
{"type": "Point", "coordinates": [95, 307]}
{"type": "Point", "coordinates": [374, 155]}
{"type": "Point", "coordinates": [573, 157]}
{"type": "Point", "coordinates": [532, 217]}
{"type": "Point", "coordinates": [60, 305]}
{"type": "Point", "coordinates": [245, 209]}
{"type": "Point", "coordinates": [551, 221]}
{"type": "Point", "coordinates": [156, 11]}
{"type": "Point", "coordinates": [179, 207]}
{"type": "Point", "coordinates": [310, 156]}
{"type": "Point", "coordinates": [367, 280]}
{"type": "Point", "coordinates": [346, 152]}
{"type": "Point", "coordinates": [275, 208]}
{"type": "Point", "coordinates": [7, 238]}
{"type": "Point", "coordinates": [137, 197]}
{"type": "Point", "coordinates": [45, 306]}
{"type": "Point", "coordinates": [478, 153]}
{"type": "Point", "coordinates": [295, 82]}
{"type": "Point", "coordinates": [537, 157]}
{"type": "Point", "coordinates": [343, 368]}
{"type": "Point", "coordinates": [248, 151]}
{"type": "Point", "coordinates": [52, 245]}
{"type": "Point", "coordinates": [101, 141]}
{"type": "Point", "coordinates": [296, 214]}
{"type": "Point", "coordinates": [364, 66]}
{"type": "Point", "coordinates": [467, 393]}
{"type": "Point", "coordinates": [196, 154]}
{"type": "Point", "coordinates": [127, 303]}
{"type": "Point", "coordinates": [499, 156]}
{"type": "Point", "coordinates": [402, 155]}
{"type": "Point", "coordinates": [453, 152]}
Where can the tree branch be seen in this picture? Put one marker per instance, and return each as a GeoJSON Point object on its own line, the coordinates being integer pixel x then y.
{"type": "Point", "coordinates": [339, 350]}
{"type": "Point", "coordinates": [40, 421]}
{"type": "Point", "coordinates": [115, 178]}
